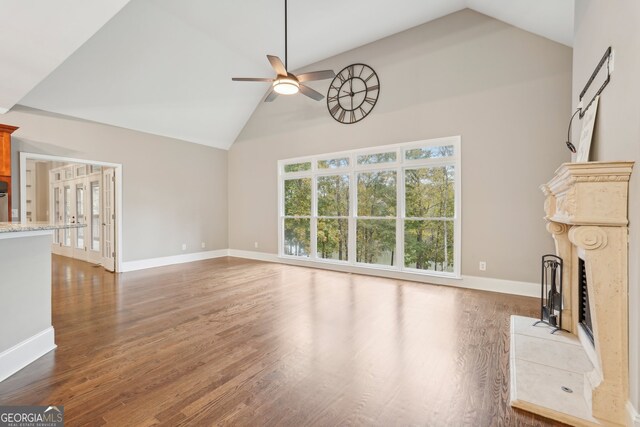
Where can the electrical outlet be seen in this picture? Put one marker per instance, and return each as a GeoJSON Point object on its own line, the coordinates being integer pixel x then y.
{"type": "Point", "coordinates": [483, 266]}
{"type": "Point", "coordinates": [255, 245]}
{"type": "Point", "coordinates": [14, 213]}
{"type": "Point", "coordinates": [204, 245]}
{"type": "Point", "coordinates": [184, 246]}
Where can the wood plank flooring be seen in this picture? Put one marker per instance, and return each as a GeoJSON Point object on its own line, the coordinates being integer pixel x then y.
{"type": "Point", "coordinates": [238, 342]}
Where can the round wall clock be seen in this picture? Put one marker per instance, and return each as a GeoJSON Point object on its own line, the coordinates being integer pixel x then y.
{"type": "Point", "coordinates": [353, 93]}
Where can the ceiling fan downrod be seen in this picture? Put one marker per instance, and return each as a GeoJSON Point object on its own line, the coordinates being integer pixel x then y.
{"type": "Point", "coordinates": [286, 64]}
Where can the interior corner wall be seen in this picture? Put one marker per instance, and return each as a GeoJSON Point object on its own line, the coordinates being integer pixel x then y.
{"type": "Point", "coordinates": [507, 92]}
{"type": "Point", "coordinates": [173, 192]}
{"type": "Point", "coordinates": [598, 25]}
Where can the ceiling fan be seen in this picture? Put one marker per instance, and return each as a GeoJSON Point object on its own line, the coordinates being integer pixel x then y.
{"type": "Point", "coordinates": [286, 83]}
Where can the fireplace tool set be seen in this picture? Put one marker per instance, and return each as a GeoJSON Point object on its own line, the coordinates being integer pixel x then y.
{"type": "Point", "coordinates": [551, 292]}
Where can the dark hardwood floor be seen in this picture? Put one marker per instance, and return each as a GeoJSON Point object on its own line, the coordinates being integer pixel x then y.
{"type": "Point", "coordinates": [238, 342]}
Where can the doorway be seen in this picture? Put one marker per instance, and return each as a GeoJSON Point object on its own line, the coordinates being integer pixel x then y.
{"type": "Point", "coordinates": [59, 190]}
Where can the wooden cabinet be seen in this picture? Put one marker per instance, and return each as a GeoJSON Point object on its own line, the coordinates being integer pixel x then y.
{"type": "Point", "coordinates": [5, 157]}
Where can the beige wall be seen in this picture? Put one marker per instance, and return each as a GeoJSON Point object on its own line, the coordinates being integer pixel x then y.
{"type": "Point", "coordinates": [598, 25]}
{"type": "Point", "coordinates": [504, 90]}
{"type": "Point", "coordinates": [173, 192]}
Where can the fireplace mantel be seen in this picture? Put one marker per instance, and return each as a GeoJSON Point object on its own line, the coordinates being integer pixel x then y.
{"type": "Point", "coordinates": [586, 213]}
{"type": "Point", "coordinates": [593, 193]}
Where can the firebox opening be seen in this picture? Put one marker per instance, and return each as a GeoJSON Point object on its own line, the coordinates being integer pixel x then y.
{"type": "Point", "coordinates": [584, 312]}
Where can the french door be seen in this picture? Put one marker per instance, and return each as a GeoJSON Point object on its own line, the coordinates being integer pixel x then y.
{"type": "Point", "coordinates": [87, 199]}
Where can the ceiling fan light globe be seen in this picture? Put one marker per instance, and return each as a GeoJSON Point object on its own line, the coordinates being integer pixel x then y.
{"type": "Point", "coordinates": [286, 86]}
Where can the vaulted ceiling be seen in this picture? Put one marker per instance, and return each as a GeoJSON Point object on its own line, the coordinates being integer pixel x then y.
{"type": "Point", "coordinates": [165, 66]}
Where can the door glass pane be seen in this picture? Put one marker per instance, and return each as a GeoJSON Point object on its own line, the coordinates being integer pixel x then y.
{"type": "Point", "coordinates": [95, 216]}
{"type": "Point", "coordinates": [56, 212]}
{"type": "Point", "coordinates": [297, 236]}
{"type": "Point", "coordinates": [332, 238]}
{"type": "Point", "coordinates": [376, 241]}
{"type": "Point", "coordinates": [297, 197]}
{"type": "Point", "coordinates": [333, 195]}
{"type": "Point", "coordinates": [377, 193]}
{"type": "Point", "coordinates": [67, 215]}
{"type": "Point", "coordinates": [80, 215]}
{"type": "Point", "coordinates": [428, 245]}
{"type": "Point", "coordinates": [107, 251]}
{"type": "Point", "coordinates": [429, 192]}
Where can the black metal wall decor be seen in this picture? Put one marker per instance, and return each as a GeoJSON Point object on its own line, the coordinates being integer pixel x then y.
{"type": "Point", "coordinates": [551, 292]}
{"type": "Point", "coordinates": [607, 57]}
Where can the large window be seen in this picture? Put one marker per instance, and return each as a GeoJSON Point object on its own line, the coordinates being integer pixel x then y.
{"type": "Point", "coordinates": [394, 207]}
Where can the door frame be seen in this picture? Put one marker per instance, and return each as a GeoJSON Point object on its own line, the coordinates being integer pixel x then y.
{"type": "Point", "coordinates": [24, 156]}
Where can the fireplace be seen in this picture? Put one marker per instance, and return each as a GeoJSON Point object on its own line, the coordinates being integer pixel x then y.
{"type": "Point", "coordinates": [586, 214]}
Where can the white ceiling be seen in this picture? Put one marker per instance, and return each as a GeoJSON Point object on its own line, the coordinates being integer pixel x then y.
{"type": "Point", "coordinates": [161, 67]}
{"type": "Point", "coordinates": [36, 36]}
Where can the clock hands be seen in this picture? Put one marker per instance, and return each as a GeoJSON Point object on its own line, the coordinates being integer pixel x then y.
{"type": "Point", "coordinates": [351, 94]}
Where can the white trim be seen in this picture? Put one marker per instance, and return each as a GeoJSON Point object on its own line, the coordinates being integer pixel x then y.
{"type": "Point", "coordinates": [24, 156]}
{"type": "Point", "coordinates": [171, 260]}
{"type": "Point", "coordinates": [512, 287]}
{"type": "Point", "coordinates": [26, 352]}
{"type": "Point", "coordinates": [633, 417]}
{"type": "Point", "coordinates": [258, 256]}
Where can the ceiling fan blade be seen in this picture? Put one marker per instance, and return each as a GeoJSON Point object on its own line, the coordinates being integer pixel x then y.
{"type": "Point", "coordinates": [316, 75]}
{"type": "Point", "coordinates": [306, 90]}
{"type": "Point", "coordinates": [271, 96]}
{"type": "Point", "coordinates": [251, 79]}
{"type": "Point", "coordinates": [277, 65]}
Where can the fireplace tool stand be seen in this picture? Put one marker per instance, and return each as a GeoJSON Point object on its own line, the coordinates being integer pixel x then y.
{"type": "Point", "coordinates": [551, 293]}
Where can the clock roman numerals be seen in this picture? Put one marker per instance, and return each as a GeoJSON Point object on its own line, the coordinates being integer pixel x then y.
{"type": "Point", "coordinates": [353, 93]}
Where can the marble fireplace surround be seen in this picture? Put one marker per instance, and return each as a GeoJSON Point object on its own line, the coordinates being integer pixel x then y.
{"type": "Point", "coordinates": [586, 213]}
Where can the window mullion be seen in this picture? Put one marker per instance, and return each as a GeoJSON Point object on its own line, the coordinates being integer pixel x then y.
{"type": "Point", "coordinates": [313, 235]}
{"type": "Point", "coordinates": [353, 208]}
{"type": "Point", "coordinates": [400, 213]}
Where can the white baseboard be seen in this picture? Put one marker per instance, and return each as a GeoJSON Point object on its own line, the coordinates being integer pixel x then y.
{"type": "Point", "coordinates": [26, 352]}
{"type": "Point", "coordinates": [527, 289]}
{"type": "Point", "coordinates": [170, 260]}
{"type": "Point", "coordinates": [633, 417]}
{"type": "Point", "coordinates": [470, 282]}
{"type": "Point", "coordinates": [260, 256]}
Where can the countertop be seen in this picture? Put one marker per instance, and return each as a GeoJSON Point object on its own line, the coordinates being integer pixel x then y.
{"type": "Point", "coordinates": [16, 227]}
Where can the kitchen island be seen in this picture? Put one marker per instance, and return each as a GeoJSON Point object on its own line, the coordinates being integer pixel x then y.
{"type": "Point", "coordinates": [26, 332]}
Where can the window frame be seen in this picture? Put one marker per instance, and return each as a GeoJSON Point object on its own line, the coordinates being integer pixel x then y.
{"type": "Point", "coordinates": [400, 165]}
